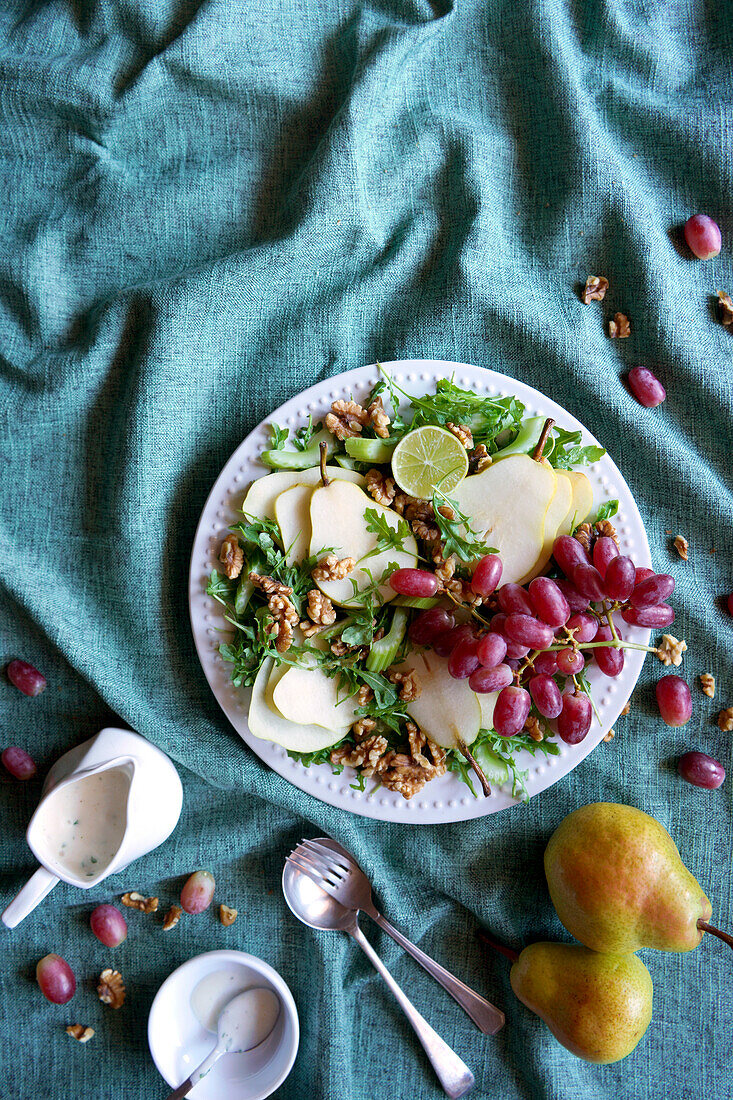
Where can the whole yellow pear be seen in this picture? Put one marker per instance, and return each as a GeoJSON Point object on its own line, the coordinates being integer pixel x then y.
{"type": "Point", "coordinates": [618, 883]}
{"type": "Point", "coordinates": [598, 1006]}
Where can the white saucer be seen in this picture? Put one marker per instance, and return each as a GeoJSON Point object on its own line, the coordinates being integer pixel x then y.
{"type": "Point", "coordinates": [179, 1043]}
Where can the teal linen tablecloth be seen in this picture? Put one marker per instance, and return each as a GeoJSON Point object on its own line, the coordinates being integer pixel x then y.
{"type": "Point", "coordinates": [207, 207]}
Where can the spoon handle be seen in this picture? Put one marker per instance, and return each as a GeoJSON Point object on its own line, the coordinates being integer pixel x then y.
{"type": "Point", "coordinates": [185, 1088]}
{"type": "Point", "coordinates": [181, 1091]}
{"type": "Point", "coordinates": [453, 1074]}
{"type": "Point", "coordinates": [486, 1016]}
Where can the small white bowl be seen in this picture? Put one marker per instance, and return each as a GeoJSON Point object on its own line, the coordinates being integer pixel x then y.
{"type": "Point", "coordinates": [179, 1042]}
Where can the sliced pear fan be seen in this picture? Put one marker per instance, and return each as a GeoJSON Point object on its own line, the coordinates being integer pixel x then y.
{"type": "Point", "coordinates": [262, 493]}
{"type": "Point", "coordinates": [264, 722]}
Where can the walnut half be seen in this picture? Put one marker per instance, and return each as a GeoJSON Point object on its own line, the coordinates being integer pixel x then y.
{"type": "Point", "coordinates": [80, 1033]}
{"type": "Point", "coordinates": [111, 988]}
{"type": "Point", "coordinates": [619, 327]}
{"type": "Point", "coordinates": [227, 916]}
{"type": "Point", "coordinates": [134, 900]}
{"type": "Point", "coordinates": [172, 917]}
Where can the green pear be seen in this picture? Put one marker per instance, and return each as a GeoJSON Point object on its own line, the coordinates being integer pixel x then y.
{"type": "Point", "coordinates": [617, 882]}
{"type": "Point", "coordinates": [598, 1006]}
{"type": "Point", "coordinates": [264, 491]}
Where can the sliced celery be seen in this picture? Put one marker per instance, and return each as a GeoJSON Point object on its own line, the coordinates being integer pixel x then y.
{"type": "Point", "coordinates": [245, 588]}
{"type": "Point", "coordinates": [369, 450]}
{"type": "Point", "coordinates": [525, 440]}
{"type": "Point", "coordinates": [493, 767]}
{"type": "Point", "coordinates": [421, 602]}
{"type": "Point", "coordinates": [300, 460]}
{"type": "Point", "coordinates": [384, 652]}
{"type": "Point", "coordinates": [346, 462]}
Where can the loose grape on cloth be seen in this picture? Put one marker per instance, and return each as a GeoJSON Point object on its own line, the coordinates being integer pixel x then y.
{"type": "Point", "coordinates": [208, 207]}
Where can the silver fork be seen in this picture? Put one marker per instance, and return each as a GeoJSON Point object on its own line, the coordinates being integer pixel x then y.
{"type": "Point", "coordinates": [338, 874]}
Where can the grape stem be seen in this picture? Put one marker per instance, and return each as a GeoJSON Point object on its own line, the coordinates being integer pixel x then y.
{"type": "Point", "coordinates": [705, 927]}
{"type": "Point", "coordinates": [508, 951]}
{"type": "Point", "coordinates": [542, 441]}
{"type": "Point", "coordinates": [475, 765]}
{"type": "Point", "coordinates": [610, 644]}
{"type": "Point", "coordinates": [323, 449]}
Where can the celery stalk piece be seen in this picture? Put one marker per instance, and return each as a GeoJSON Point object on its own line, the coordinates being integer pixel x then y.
{"type": "Point", "coordinates": [300, 460]}
{"type": "Point", "coordinates": [345, 462]}
{"type": "Point", "coordinates": [525, 440]}
{"type": "Point", "coordinates": [493, 767]}
{"type": "Point", "coordinates": [369, 450]}
{"type": "Point", "coordinates": [384, 652]}
{"type": "Point", "coordinates": [420, 602]}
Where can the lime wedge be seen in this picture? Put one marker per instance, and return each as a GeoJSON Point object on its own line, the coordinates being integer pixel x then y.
{"type": "Point", "coordinates": [429, 458]}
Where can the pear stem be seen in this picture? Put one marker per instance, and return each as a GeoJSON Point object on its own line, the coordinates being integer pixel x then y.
{"type": "Point", "coordinates": [324, 458]}
{"type": "Point", "coordinates": [475, 765]}
{"type": "Point", "coordinates": [542, 441]}
{"type": "Point", "coordinates": [508, 951]}
{"type": "Point", "coordinates": [705, 927]}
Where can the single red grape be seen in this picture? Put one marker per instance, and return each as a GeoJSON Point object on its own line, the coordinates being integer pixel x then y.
{"type": "Point", "coordinates": [570, 662]}
{"type": "Point", "coordinates": [701, 770]}
{"type": "Point", "coordinates": [588, 581]}
{"type": "Point", "coordinates": [548, 601]}
{"type": "Point", "coordinates": [484, 680]}
{"type": "Point", "coordinates": [514, 600]}
{"type": "Point", "coordinates": [620, 579]}
{"type": "Point", "coordinates": [674, 700]}
{"type": "Point", "coordinates": [526, 630]}
{"type": "Point", "coordinates": [546, 696]}
{"type": "Point", "coordinates": [491, 650]}
{"type": "Point", "coordinates": [609, 659]}
{"type": "Point", "coordinates": [464, 659]}
{"type": "Point", "coordinates": [26, 678]}
{"type": "Point", "coordinates": [661, 615]}
{"type": "Point", "coordinates": [546, 663]}
{"type": "Point", "coordinates": [652, 591]}
{"type": "Point", "coordinates": [414, 582]}
{"type": "Point", "coordinates": [429, 624]}
{"type": "Point", "coordinates": [511, 711]}
{"type": "Point", "coordinates": [569, 553]}
{"type": "Point", "coordinates": [703, 236]}
{"type": "Point", "coordinates": [604, 551]}
{"type": "Point", "coordinates": [646, 387]}
{"type": "Point", "coordinates": [641, 574]}
{"type": "Point", "coordinates": [585, 626]}
{"type": "Point", "coordinates": [55, 979]}
{"type": "Point", "coordinates": [18, 762]}
{"type": "Point", "coordinates": [197, 892]}
{"type": "Point", "coordinates": [108, 925]}
{"type": "Point", "coordinates": [486, 575]}
{"type": "Point", "coordinates": [575, 718]}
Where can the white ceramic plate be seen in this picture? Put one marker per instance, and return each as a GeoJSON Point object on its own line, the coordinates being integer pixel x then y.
{"type": "Point", "coordinates": [445, 799]}
{"type": "Point", "coordinates": [179, 1043]}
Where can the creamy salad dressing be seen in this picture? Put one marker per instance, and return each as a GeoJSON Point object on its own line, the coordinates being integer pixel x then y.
{"type": "Point", "coordinates": [256, 1017]}
{"type": "Point", "coordinates": [83, 822]}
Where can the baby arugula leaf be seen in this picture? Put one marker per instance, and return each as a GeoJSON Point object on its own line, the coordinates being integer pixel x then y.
{"type": "Point", "coordinates": [566, 450]}
{"type": "Point", "coordinates": [388, 537]}
{"type": "Point", "coordinates": [304, 434]}
{"type": "Point", "coordinates": [458, 536]}
{"type": "Point", "coordinates": [278, 437]}
{"type": "Point", "coordinates": [610, 508]}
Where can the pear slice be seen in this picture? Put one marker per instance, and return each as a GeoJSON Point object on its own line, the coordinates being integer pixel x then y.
{"type": "Point", "coordinates": [262, 493]}
{"type": "Point", "coordinates": [337, 516]}
{"type": "Point", "coordinates": [266, 724]}
{"type": "Point", "coordinates": [582, 499]}
{"type": "Point", "coordinates": [487, 702]}
{"type": "Point", "coordinates": [292, 513]}
{"type": "Point", "coordinates": [507, 505]}
{"type": "Point", "coordinates": [556, 516]}
{"type": "Point", "coordinates": [307, 695]}
{"type": "Point", "coordinates": [446, 710]}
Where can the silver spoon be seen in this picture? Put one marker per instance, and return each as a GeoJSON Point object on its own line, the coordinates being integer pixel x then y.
{"type": "Point", "coordinates": [314, 907]}
{"type": "Point", "coordinates": [232, 1037]}
{"type": "Point", "coordinates": [337, 872]}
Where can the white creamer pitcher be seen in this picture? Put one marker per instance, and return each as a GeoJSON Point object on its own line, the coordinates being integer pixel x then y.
{"type": "Point", "coordinates": [104, 804]}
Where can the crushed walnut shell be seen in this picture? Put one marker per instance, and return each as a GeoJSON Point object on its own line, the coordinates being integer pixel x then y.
{"type": "Point", "coordinates": [461, 432]}
{"type": "Point", "coordinates": [584, 535]}
{"type": "Point", "coordinates": [619, 327]}
{"type": "Point", "coordinates": [134, 900]}
{"type": "Point", "coordinates": [408, 683]}
{"type": "Point", "coordinates": [682, 547]}
{"type": "Point", "coordinates": [725, 719]}
{"type": "Point", "coordinates": [231, 557]}
{"type": "Point", "coordinates": [320, 609]}
{"type": "Point", "coordinates": [111, 988]}
{"type": "Point", "coordinates": [378, 418]}
{"type": "Point", "coordinates": [332, 568]}
{"type": "Point", "coordinates": [725, 308]}
{"type": "Point", "coordinates": [346, 419]}
{"type": "Point", "coordinates": [707, 684]}
{"type": "Point", "coordinates": [380, 487]}
{"type": "Point", "coordinates": [533, 728]}
{"type": "Point", "coordinates": [172, 917]}
{"type": "Point", "coordinates": [227, 915]}
{"type": "Point", "coordinates": [80, 1033]}
{"type": "Point", "coordinates": [595, 289]}
{"type": "Point", "coordinates": [479, 459]}
{"type": "Point", "coordinates": [610, 735]}
{"type": "Point", "coordinates": [670, 650]}
{"type": "Point", "coordinates": [626, 707]}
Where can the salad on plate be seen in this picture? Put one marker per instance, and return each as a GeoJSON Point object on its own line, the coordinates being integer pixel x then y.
{"type": "Point", "coordinates": [419, 584]}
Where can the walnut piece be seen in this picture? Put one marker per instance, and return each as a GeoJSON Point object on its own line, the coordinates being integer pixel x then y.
{"type": "Point", "coordinates": [134, 900]}
{"type": "Point", "coordinates": [172, 917]}
{"type": "Point", "coordinates": [479, 459]}
{"type": "Point", "coordinates": [725, 719]}
{"type": "Point", "coordinates": [619, 327]}
{"type": "Point", "coordinates": [595, 289]}
{"type": "Point", "coordinates": [605, 529]}
{"type": "Point", "coordinates": [381, 488]}
{"type": "Point", "coordinates": [707, 683]}
{"type": "Point", "coordinates": [363, 728]}
{"type": "Point", "coordinates": [332, 568]}
{"type": "Point", "coordinates": [269, 585]}
{"type": "Point", "coordinates": [364, 695]}
{"type": "Point", "coordinates": [446, 569]}
{"type": "Point", "coordinates": [610, 735]}
{"type": "Point", "coordinates": [346, 419]}
{"type": "Point", "coordinates": [584, 535]}
{"type": "Point", "coordinates": [626, 707]}
{"type": "Point", "coordinates": [408, 683]}
{"type": "Point", "coordinates": [378, 418]}
{"type": "Point", "coordinates": [365, 756]}
{"type": "Point", "coordinates": [533, 728]}
{"type": "Point", "coordinates": [670, 650]}
{"type": "Point", "coordinates": [408, 774]}
{"type": "Point", "coordinates": [682, 547]}
{"type": "Point", "coordinates": [80, 1033]}
{"type": "Point", "coordinates": [320, 608]}
{"type": "Point", "coordinates": [462, 432]}
{"type": "Point", "coordinates": [231, 557]}
{"type": "Point", "coordinates": [227, 916]}
{"type": "Point", "coordinates": [281, 631]}
{"type": "Point", "coordinates": [725, 308]}
{"type": "Point", "coordinates": [111, 988]}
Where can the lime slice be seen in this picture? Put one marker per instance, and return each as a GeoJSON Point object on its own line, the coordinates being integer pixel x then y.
{"type": "Point", "coordinates": [429, 458]}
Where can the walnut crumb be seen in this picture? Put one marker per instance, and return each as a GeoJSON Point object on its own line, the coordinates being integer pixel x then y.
{"type": "Point", "coordinates": [381, 488]}
{"type": "Point", "coordinates": [533, 728]}
{"type": "Point", "coordinates": [134, 900]}
{"type": "Point", "coordinates": [619, 327]}
{"type": "Point", "coordinates": [670, 650]}
{"type": "Point", "coordinates": [595, 289]}
{"type": "Point", "coordinates": [682, 546]}
{"type": "Point", "coordinates": [80, 1033]}
{"type": "Point", "coordinates": [284, 619]}
{"type": "Point", "coordinates": [332, 568]}
{"type": "Point", "coordinates": [462, 432]}
{"type": "Point", "coordinates": [346, 419]}
{"type": "Point", "coordinates": [378, 418]}
{"type": "Point", "coordinates": [610, 735]}
{"type": "Point", "coordinates": [725, 720]}
{"type": "Point", "coordinates": [626, 707]}
{"type": "Point", "coordinates": [364, 695]}
{"type": "Point", "coordinates": [172, 917]}
{"type": "Point", "coordinates": [231, 557]}
{"type": "Point", "coordinates": [227, 915]}
{"type": "Point", "coordinates": [707, 683]}
{"type": "Point", "coordinates": [111, 988]}
{"type": "Point", "coordinates": [584, 535]}
{"type": "Point", "coordinates": [407, 682]}
{"type": "Point", "coordinates": [479, 459]}
{"type": "Point", "coordinates": [269, 585]}
{"type": "Point", "coordinates": [725, 308]}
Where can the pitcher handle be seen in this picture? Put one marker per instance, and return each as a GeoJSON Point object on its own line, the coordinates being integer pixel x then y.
{"type": "Point", "coordinates": [34, 891]}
